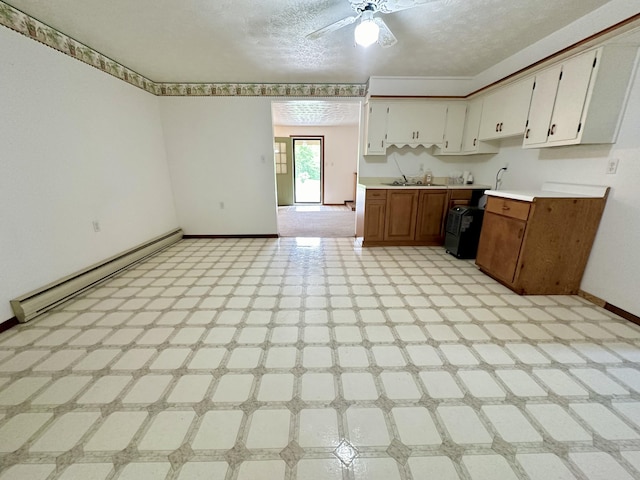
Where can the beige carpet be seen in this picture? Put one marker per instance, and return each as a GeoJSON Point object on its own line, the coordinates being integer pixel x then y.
{"type": "Point", "coordinates": [316, 224]}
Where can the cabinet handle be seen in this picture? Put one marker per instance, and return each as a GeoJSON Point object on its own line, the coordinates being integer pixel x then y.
{"type": "Point", "coordinates": [497, 127]}
{"type": "Point", "coordinates": [553, 129]}
{"type": "Point", "coordinates": [382, 143]}
{"type": "Point", "coordinates": [505, 208]}
{"type": "Point", "coordinates": [418, 134]}
{"type": "Point", "coordinates": [520, 232]}
{"type": "Point", "coordinates": [413, 135]}
{"type": "Point", "coordinates": [527, 134]}
{"type": "Point", "coordinates": [500, 126]}
{"type": "Point", "coordinates": [474, 141]}
{"type": "Point", "coordinates": [446, 144]}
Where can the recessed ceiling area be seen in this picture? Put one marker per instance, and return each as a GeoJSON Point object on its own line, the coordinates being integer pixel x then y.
{"type": "Point", "coordinates": [265, 41]}
{"type": "Point", "coordinates": [315, 113]}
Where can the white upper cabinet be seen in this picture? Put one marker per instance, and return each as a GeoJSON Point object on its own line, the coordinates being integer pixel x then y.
{"type": "Point", "coordinates": [375, 116]}
{"type": "Point", "coordinates": [505, 110]}
{"type": "Point", "coordinates": [471, 143]}
{"type": "Point", "coordinates": [454, 128]}
{"type": "Point", "coordinates": [581, 99]}
{"type": "Point", "coordinates": [416, 123]}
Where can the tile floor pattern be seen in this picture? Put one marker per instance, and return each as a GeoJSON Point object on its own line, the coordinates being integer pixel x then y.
{"type": "Point", "coordinates": [314, 359]}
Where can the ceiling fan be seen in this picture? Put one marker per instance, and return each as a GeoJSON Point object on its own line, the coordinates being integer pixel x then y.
{"type": "Point", "coordinates": [371, 29]}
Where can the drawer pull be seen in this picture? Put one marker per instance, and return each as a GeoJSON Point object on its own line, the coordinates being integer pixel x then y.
{"type": "Point", "coordinates": [506, 207]}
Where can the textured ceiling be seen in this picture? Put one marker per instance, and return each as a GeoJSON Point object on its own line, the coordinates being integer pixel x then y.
{"type": "Point", "coordinates": [315, 113]}
{"type": "Point", "coordinates": [264, 41]}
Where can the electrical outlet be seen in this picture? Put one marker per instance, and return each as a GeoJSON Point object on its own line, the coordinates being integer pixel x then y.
{"type": "Point", "coordinates": [612, 166]}
{"type": "Point", "coordinates": [96, 226]}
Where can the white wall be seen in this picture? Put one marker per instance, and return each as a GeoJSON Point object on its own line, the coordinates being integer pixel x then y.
{"type": "Point", "coordinates": [220, 153]}
{"type": "Point", "coordinates": [340, 158]}
{"type": "Point", "coordinates": [77, 145]}
{"type": "Point", "coordinates": [410, 160]}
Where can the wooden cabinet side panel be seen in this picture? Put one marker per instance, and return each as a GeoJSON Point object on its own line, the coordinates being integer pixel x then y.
{"type": "Point", "coordinates": [431, 211]}
{"type": "Point", "coordinates": [499, 247]}
{"type": "Point", "coordinates": [401, 212]}
{"type": "Point", "coordinates": [560, 234]}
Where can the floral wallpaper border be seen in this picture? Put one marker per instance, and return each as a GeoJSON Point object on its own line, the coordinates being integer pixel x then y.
{"type": "Point", "coordinates": [28, 26]}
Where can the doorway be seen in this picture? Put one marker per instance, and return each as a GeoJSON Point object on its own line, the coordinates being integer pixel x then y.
{"type": "Point", "coordinates": [308, 155]}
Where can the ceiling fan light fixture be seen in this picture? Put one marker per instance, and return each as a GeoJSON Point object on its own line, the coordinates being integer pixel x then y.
{"type": "Point", "coordinates": [367, 31]}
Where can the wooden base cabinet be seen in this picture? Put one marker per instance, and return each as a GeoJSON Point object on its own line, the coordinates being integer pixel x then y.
{"type": "Point", "coordinates": [404, 217]}
{"type": "Point", "coordinates": [539, 247]}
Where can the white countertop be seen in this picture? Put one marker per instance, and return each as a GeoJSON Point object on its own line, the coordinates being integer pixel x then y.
{"type": "Point", "coordinates": [553, 190]}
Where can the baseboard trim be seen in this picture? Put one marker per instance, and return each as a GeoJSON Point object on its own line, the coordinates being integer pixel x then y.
{"type": "Point", "coordinates": [592, 298]}
{"type": "Point", "coordinates": [266, 235]}
{"type": "Point", "coordinates": [622, 313]}
{"type": "Point", "coordinates": [7, 324]}
{"type": "Point", "coordinates": [609, 307]}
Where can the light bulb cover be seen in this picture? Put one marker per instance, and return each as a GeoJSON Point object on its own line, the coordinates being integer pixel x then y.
{"type": "Point", "coordinates": [367, 31]}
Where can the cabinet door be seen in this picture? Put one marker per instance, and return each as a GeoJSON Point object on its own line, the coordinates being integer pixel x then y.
{"type": "Point", "coordinates": [571, 97]}
{"type": "Point", "coordinates": [374, 215]}
{"type": "Point", "coordinates": [454, 127]}
{"type": "Point", "coordinates": [376, 128]}
{"type": "Point", "coordinates": [472, 125]}
{"type": "Point", "coordinates": [431, 209]}
{"type": "Point", "coordinates": [431, 123]}
{"type": "Point", "coordinates": [499, 247]}
{"type": "Point", "coordinates": [400, 215]}
{"type": "Point", "coordinates": [416, 123]}
{"type": "Point", "coordinates": [402, 123]}
{"type": "Point", "coordinates": [506, 110]}
{"type": "Point", "coordinates": [542, 101]}
{"type": "Point", "coordinates": [491, 115]}
{"type": "Point", "coordinates": [517, 100]}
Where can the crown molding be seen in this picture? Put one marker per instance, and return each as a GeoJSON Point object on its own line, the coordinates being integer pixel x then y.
{"type": "Point", "coordinates": [34, 29]}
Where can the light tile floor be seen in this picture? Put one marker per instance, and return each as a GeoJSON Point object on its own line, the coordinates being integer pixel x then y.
{"type": "Point", "coordinates": [317, 359]}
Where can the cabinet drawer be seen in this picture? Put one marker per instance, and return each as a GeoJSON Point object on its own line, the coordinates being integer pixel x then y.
{"type": "Point", "coordinates": [376, 194]}
{"type": "Point", "coordinates": [508, 208]}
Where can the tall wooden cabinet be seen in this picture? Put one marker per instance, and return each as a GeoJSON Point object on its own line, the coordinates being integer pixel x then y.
{"type": "Point", "coordinates": [539, 246]}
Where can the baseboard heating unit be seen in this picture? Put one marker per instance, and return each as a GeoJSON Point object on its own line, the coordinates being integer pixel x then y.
{"type": "Point", "coordinates": [43, 299]}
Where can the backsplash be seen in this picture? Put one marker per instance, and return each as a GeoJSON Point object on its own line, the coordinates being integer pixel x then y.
{"type": "Point", "coordinates": [28, 26]}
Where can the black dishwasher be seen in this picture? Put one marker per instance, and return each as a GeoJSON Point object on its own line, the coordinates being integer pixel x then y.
{"type": "Point", "coordinates": [463, 231]}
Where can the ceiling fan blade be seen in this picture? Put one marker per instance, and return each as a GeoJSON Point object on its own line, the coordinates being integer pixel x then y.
{"type": "Point", "coordinates": [385, 37]}
{"type": "Point", "coordinates": [333, 27]}
{"type": "Point", "coordinates": [390, 6]}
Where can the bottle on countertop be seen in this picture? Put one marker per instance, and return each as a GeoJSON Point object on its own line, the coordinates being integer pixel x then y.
{"type": "Point", "coordinates": [428, 177]}
{"type": "Point", "coordinates": [469, 179]}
